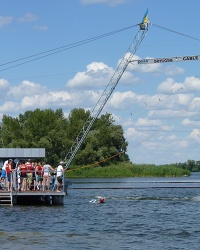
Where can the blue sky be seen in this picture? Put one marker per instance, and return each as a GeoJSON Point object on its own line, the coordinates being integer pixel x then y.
{"type": "Point", "coordinates": [157, 105]}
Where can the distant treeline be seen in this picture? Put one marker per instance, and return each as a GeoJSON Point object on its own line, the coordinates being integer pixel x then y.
{"type": "Point", "coordinates": [191, 165]}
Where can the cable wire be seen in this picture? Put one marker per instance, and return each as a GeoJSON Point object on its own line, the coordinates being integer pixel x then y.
{"type": "Point", "coordinates": [61, 49]}
{"type": "Point", "coordinates": [176, 32]}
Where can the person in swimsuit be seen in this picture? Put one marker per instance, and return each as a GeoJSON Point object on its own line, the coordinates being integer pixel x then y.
{"type": "Point", "coordinates": [47, 168]}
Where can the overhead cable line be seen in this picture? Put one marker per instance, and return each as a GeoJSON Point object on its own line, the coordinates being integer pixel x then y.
{"type": "Point", "coordinates": [40, 76]}
{"type": "Point", "coordinates": [96, 163]}
{"type": "Point", "coordinates": [176, 32]}
{"type": "Point", "coordinates": [60, 49]}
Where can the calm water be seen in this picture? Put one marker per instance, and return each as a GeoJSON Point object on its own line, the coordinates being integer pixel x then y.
{"type": "Point", "coordinates": [138, 213]}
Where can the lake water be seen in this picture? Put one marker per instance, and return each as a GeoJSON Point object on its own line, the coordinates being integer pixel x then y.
{"type": "Point", "coordinates": [138, 213]}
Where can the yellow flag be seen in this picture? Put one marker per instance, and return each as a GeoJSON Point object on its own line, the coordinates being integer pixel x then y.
{"type": "Point", "coordinates": [145, 18]}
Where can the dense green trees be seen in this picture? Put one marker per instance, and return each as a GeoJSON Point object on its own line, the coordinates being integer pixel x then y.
{"type": "Point", "coordinates": [191, 165]}
{"type": "Point", "coordinates": [51, 130]}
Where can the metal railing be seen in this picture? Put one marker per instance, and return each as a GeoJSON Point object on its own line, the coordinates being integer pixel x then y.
{"type": "Point", "coordinates": [41, 183]}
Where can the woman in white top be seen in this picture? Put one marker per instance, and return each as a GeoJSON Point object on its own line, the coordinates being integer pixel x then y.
{"type": "Point", "coordinates": [46, 175]}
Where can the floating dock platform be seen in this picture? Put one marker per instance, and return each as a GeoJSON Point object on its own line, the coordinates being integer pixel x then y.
{"type": "Point", "coordinates": [48, 197]}
{"type": "Point", "coordinates": [31, 197]}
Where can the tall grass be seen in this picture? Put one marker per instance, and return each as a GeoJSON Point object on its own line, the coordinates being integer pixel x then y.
{"type": "Point", "coordinates": [127, 170]}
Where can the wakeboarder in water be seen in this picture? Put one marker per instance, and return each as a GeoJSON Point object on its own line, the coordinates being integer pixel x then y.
{"type": "Point", "coordinates": [99, 200]}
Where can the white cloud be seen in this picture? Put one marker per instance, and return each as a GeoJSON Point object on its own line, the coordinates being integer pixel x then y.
{"type": "Point", "coordinates": [26, 88]}
{"type": "Point", "coordinates": [134, 136]}
{"type": "Point", "coordinates": [10, 107]}
{"type": "Point", "coordinates": [173, 70]}
{"type": "Point", "coordinates": [5, 20]}
{"type": "Point", "coordinates": [4, 87]}
{"type": "Point", "coordinates": [145, 122]}
{"type": "Point", "coordinates": [166, 127]}
{"type": "Point", "coordinates": [44, 100]}
{"type": "Point", "coordinates": [190, 84]}
{"type": "Point", "coordinates": [165, 113]}
{"type": "Point", "coordinates": [121, 100]}
{"type": "Point", "coordinates": [129, 79]}
{"type": "Point", "coordinates": [195, 134]}
{"type": "Point", "coordinates": [28, 17]}
{"type": "Point", "coordinates": [183, 144]}
{"type": "Point", "coordinates": [169, 86]}
{"type": "Point", "coordinates": [172, 138]}
{"type": "Point", "coordinates": [96, 75]}
{"type": "Point", "coordinates": [29, 95]}
{"type": "Point", "coordinates": [130, 132]}
{"type": "Point", "coordinates": [174, 102]}
{"type": "Point", "coordinates": [188, 122]}
{"type": "Point", "coordinates": [195, 104]}
{"type": "Point", "coordinates": [146, 68]}
{"type": "Point", "coordinates": [3, 83]}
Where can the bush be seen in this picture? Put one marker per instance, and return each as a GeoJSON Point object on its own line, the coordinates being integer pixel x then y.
{"type": "Point", "coordinates": [127, 170]}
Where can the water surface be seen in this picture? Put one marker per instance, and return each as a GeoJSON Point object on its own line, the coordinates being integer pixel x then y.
{"type": "Point", "coordinates": [138, 213]}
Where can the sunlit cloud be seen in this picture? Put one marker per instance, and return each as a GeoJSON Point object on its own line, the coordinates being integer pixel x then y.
{"type": "Point", "coordinates": [96, 75]}
{"type": "Point", "coordinates": [26, 88]}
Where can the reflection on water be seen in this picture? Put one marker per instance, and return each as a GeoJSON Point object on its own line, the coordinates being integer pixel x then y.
{"type": "Point", "coordinates": [138, 213]}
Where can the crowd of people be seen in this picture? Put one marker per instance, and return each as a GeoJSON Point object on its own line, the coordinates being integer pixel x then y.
{"type": "Point", "coordinates": [31, 176]}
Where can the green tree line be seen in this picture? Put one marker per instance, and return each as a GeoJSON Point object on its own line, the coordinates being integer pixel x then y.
{"type": "Point", "coordinates": [50, 129]}
{"type": "Point", "coordinates": [191, 165]}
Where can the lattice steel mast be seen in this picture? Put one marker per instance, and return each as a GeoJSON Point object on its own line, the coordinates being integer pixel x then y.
{"type": "Point", "coordinates": [108, 90]}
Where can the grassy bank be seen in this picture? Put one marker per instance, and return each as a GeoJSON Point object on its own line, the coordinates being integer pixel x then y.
{"type": "Point", "coordinates": [127, 170]}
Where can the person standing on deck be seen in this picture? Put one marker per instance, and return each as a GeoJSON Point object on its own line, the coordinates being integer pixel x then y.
{"type": "Point", "coordinates": [18, 166]}
{"type": "Point", "coordinates": [33, 176]}
{"type": "Point", "coordinates": [39, 171]}
{"type": "Point", "coordinates": [59, 174]}
{"type": "Point", "coordinates": [23, 176]}
{"type": "Point", "coordinates": [3, 173]}
{"type": "Point", "coordinates": [29, 174]}
{"type": "Point", "coordinates": [8, 173]}
{"type": "Point", "coordinates": [46, 175]}
{"type": "Point", "coordinates": [14, 174]}
{"type": "Point", "coordinates": [36, 175]}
